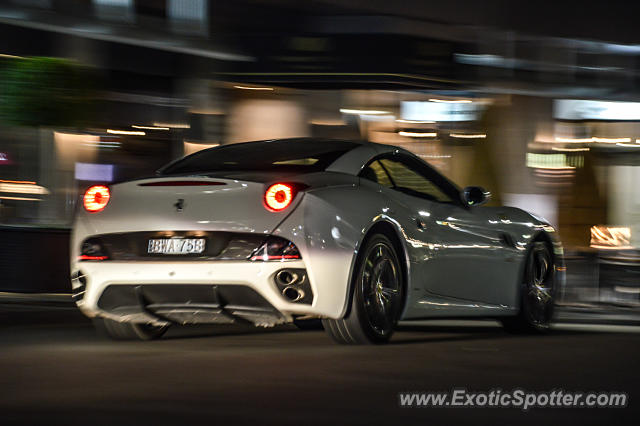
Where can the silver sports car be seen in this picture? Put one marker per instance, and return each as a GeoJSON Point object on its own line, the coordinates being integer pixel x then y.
{"type": "Point", "coordinates": [359, 235]}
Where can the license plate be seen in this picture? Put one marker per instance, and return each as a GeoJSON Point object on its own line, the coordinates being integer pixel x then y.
{"type": "Point", "coordinates": [176, 246]}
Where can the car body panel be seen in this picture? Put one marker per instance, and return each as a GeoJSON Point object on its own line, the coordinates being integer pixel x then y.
{"type": "Point", "coordinates": [236, 206]}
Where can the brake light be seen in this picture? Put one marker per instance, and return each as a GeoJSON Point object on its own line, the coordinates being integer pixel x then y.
{"type": "Point", "coordinates": [96, 198]}
{"type": "Point", "coordinates": [278, 197]}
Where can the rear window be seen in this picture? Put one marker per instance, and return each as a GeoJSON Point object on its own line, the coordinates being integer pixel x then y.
{"type": "Point", "coordinates": [292, 155]}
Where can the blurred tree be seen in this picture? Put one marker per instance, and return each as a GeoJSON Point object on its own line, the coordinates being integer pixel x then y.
{"type": "Point", "coordinates": [43, 91]}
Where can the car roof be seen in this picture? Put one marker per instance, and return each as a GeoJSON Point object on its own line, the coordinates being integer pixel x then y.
{"type": "Point", "coordinates": [354, 159]}
{"type": "Point", "coordinates": [356, 153]}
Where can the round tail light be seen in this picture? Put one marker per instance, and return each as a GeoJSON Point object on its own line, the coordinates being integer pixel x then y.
{"type": "Point", "coordinates": [96, 198]}
{"type": "Point", "coordinates": [278, 197]}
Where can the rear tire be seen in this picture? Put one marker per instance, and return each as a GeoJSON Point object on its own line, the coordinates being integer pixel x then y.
{"type": "Point", "coordinates": [378, 295]}
{"type": "Point", "coordinates": [537, 292]}
{"type": "Point", "coordinates": [128, 331]}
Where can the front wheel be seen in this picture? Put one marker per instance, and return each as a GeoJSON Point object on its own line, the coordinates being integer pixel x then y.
{"type": "Point", "coordinates": [537, 295]}
{"type": "Point", "coordinates": [377, 297]}
{"type": "Point", "coordinates": [129, 331]}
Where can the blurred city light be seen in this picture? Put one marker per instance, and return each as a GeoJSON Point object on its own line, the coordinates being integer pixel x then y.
{"type": "Point", "coordinates": [126, 132]}
{"type": "Point", "coordinates": [608, 237]}
{"type": "Point", "coordinates": [418, 134]}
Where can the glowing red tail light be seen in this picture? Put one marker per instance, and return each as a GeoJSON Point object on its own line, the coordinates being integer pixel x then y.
{"type": "Point", "coordinates": [96, 198]}
{"type": "Point", "coordinates": [278, 196]}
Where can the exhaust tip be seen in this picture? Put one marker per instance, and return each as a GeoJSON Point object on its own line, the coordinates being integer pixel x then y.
{"type": "Point", "coordinates": [293, 294]}
{"type": "Point", "coordinates": [286, 277]}
{"type": "Point", "coordinates": [293, 285]}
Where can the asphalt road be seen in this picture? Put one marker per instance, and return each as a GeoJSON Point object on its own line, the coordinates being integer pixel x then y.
{"type": "Point", "coordinates": [54, 369]}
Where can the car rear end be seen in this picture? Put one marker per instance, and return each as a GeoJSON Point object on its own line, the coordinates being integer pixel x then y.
{"type": "Point", "coordinates": [197, 246]}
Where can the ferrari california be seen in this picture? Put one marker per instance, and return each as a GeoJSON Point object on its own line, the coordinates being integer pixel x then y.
{"type": "Point", "coordinates": [354, 234]}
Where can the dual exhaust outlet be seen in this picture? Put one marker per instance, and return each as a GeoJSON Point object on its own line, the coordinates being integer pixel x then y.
{"type": "Point", "coordinates": [291, 282]}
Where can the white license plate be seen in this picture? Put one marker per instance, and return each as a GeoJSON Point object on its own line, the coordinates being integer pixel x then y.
{"type": "Point", "coordinates": [176, 246]}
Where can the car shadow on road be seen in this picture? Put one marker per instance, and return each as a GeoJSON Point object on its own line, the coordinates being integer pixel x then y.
{"type": "Point", "coordinates": [442, 333]}
{"type": "Point", "coordinates": [417, 333]}
{"type": "Point", "coordinates": [199, 331]}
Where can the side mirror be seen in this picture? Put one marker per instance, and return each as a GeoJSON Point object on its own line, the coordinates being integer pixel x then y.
{"type": "Point", "coordinates": [475, 196]}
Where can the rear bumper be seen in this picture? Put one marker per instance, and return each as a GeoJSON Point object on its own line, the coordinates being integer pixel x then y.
{"type": "Point", "coordinates": [188, 292]}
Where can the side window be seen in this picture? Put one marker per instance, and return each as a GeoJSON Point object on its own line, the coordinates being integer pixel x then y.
{"type": "Point", "coordinates": [407, 178]}
{"type": "Point", "coordinates": [375, 173]}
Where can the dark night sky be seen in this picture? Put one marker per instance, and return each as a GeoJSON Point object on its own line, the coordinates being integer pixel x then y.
{"type": "Point", "coordinates": [604, 20]}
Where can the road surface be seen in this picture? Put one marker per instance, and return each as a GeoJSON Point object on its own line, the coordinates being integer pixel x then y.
{"type": "Point", "coordinates": [54, 369]}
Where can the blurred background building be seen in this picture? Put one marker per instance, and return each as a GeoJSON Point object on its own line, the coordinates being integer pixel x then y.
{"type": "Point", "coordinates": [537, 101]}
